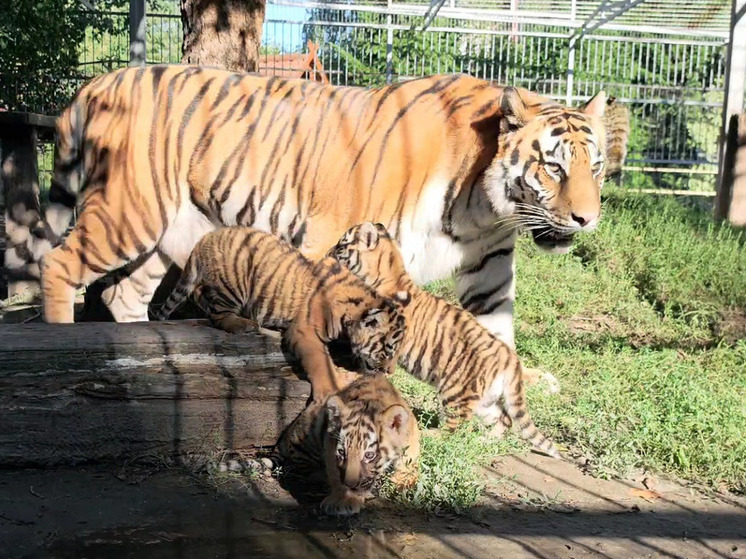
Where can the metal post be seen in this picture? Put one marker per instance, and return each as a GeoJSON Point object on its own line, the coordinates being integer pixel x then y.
{"type": "Point", "coordinates": [571, 58]}
{"type": "Point", "coordinates": [137, 33]}
{"type": "Point", "coordinates": [389, 45]}
{"type": "Point", "coordinates": [735, 84]}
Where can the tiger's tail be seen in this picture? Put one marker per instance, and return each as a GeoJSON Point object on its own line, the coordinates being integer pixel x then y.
{"type": "Point", "coordinates": [515, 404]}
{"type": "Point", "coordinates": [183, 289]}
{"type": "Point", "coordinates": [69, 172]}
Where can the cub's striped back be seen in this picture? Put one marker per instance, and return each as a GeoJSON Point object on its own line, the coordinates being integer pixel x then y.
{"type": "Point", "coordinates": [473, 371]}
{"type": "Point", "coordinates": [245, 278]}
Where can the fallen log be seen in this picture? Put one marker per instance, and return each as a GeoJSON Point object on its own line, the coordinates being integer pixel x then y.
{"type": "Point", "coordinates": [72, 393]}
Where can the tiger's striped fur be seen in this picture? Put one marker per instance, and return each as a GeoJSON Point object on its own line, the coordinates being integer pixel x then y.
{"type": "Point", "coordinates": [617, 124]}
{"type": "Point", "coordinates": [157, 156]}
{"type": "Point", "coordinates": [245, 278]}
{"type": "Point", "coordinates": [445, 345]}
{"type": "Point", "coordinates": [357, 435]}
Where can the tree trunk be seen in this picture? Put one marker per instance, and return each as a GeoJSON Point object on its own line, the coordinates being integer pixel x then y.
{"type": "Point", "coordinates": [223, 33]}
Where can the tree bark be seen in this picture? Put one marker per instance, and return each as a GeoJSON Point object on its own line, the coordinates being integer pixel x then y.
{"type": "Point", "coordinates": [223, 33]}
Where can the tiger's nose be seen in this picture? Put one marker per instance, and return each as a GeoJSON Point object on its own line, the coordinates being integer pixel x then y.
{"type": "Point", "coordinates": [586, 220]}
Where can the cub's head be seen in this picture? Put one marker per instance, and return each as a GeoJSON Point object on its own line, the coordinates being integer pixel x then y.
{"type": "Point", "coordinates": [550, 166]}
{"type": "Point", "coordinates": [376, 337]}
{"type": "Point", "coordinates": [369, 252]}
{"type": "Point", "coordinates": [365, 443]}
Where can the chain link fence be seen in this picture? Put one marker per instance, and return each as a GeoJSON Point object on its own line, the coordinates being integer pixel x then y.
{"type": "Point", "coordinates": [672, 79]}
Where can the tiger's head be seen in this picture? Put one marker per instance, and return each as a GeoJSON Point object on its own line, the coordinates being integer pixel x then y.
{"type": "Point", "coordinates": [376, 336]}
{"type": "Point", "coordinates": [366, 443]}
{"type": "Point", "coordinates": [369, 252]}
{"type": "Point", "coordinates": [550, 166]}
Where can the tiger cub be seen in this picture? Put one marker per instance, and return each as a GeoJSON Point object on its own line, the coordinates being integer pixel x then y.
{"type": "Point", "coordinates": [445, 345]}
{"type": "Point", "coordinates": [357, 435]}
{"type": "Point", "coordinates": [245, 278]}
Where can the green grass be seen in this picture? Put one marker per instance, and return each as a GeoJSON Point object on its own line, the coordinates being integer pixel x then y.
{"type": "Point", "coordinates": [644, 325]}
{"type": "Point", "coordinates": [450, 463]}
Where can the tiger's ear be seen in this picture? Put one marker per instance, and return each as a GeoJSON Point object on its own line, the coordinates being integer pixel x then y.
{"type": "Point", "coordinates": [396, 419]}
{"type": "Point", "coordinates": [513, 108]}
{"type": "Point", "coordinates": [596, 105]}
{"type": "Point", "coordinates": [367, 235]}
{"type": "Point", "coordinates": [403, 298]}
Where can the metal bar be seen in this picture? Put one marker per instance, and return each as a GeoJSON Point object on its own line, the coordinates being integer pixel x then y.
{"type": "Point", "coordinates": [432, 12]}
{"type": "Point", "coordinates": [505, 16]}
{"type": "Point", "coordinates": [389, 46]}
{"type": "Point", "coordinates": [735, 86]}
{"type": "Point", "coordinates": [571, 58]}
{"type": "Point", "coordinates": [137, 33]}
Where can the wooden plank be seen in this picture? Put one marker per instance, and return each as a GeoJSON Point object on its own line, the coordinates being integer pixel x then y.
{"type": "Point", "coordinates": [72, 393]}
{"type": "Point", "coordinates": [44, 122]}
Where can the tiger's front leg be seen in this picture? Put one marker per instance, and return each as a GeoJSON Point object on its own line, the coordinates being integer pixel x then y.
{"type": "Point", "coordinates": [487, 290]}
{"type": "Point", "coordinates": [314, 357]}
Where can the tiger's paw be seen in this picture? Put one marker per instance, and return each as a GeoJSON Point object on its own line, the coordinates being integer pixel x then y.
{"type": "Point", "coordinates": [405, 478]}
{"type": "Point", "coordinates": [535, 376]}
{"type": "Point", "coordinates": [236, 324]}
{"type": "Point", "coordinates": [500, 427]}
{"type": "Point", "coordinates": [342, 505]}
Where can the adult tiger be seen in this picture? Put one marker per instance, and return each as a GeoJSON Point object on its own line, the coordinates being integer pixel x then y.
{"type": "Point", "coordinates": [158, 156]}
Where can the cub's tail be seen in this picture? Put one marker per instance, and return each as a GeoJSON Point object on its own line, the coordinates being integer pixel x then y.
{"type": "Point", "coordinates": [183, 289]}
{"type": "Point", "coordinates": [515, 404]}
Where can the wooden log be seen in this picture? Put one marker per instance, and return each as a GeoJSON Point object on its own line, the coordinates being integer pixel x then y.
{"type": "Point", "coordinates": [73, 393]}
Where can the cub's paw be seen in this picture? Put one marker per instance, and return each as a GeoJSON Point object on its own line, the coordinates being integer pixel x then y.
{"type": "Point", "coordinates": [503, 424]}
{"type": "Point", "coordinates": [236, 324]}
{"type": "Point", "coordinates": [405, 478]}
{"type": "Point", "coordinates": [342, 505]}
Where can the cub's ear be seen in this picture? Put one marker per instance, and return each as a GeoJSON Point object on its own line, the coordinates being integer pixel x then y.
{"type": "Point", "coordinates": [396, 419]}
{"type": "Point", "coordinates": [403, 298]}
{"type": "Point", "coordinates": [367, 235]}
{"type": "Point", "coordinates": [513, 108]}
{"type": "Point", "coordinates": [372, 318]}
{"type": "Point", "coordinates": [596, 105]}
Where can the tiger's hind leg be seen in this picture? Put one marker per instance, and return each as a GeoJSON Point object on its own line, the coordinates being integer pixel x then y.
{"type": "Point", "coordinates": [233, 323]}
{"type": "Point", "coordinates": [459, 411]}
{"type": "Point", "coordinates": [89, 252]}
{"type": "Point", "coordinates": [129, 290]}
{"type": "Point", "coordinates": [223, 314]}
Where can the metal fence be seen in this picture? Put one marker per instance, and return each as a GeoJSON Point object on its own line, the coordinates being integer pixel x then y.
{"type": "Point", "coordinates": [668, 68]}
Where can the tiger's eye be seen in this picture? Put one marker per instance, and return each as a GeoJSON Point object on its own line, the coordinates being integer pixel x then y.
{"type": "Point", "coordinates": [370, 455]}
{"type": "Point", "coordinates": [554, 168]}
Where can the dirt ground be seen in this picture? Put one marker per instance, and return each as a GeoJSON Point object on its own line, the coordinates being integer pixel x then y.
{"type": "Point", "coordinates": [533, 507]}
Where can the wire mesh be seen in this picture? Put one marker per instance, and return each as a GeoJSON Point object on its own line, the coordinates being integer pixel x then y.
{"type": "Point", "coordinates": [665, 59]}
